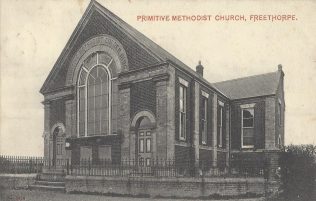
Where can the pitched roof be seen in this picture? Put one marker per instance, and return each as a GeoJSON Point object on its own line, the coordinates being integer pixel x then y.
{"type": "Point", "coordinates": [150, 46]}
{"type": "Point", "coordinates": [252, 86]}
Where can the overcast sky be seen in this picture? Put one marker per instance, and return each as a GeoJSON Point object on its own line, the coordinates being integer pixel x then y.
{"type": "Point", "coordinates": [34, 32]}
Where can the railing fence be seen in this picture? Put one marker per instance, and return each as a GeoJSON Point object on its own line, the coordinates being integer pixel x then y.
{"type": "Point", "coordinates": [127, 167]}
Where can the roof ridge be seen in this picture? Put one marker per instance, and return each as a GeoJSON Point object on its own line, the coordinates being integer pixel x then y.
{"type": "Point", "coordinates": [158, 50]}
{"type": "Point", "coordinates": [241, 78]}
{"type": "Point", "coordinates": [143, 35]}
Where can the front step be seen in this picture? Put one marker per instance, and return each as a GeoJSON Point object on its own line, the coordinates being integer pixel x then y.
{"type": "Point", "coordinates": [51, 184]}
{"type": "Point", "coordinates": [56, 170]}
{"type": "Point", "coordinates": [54, 177]}
{"type": "Point", "coordinates": [53, 180]}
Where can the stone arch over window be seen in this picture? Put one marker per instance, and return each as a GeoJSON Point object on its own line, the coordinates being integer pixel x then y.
{"type": "Point", "coordinates": [93, 70]}
{"type": "Point", "coordinates": [101, 43]}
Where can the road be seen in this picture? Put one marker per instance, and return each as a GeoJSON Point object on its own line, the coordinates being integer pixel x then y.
{"type": "Point", "coordinates": [28, 195]}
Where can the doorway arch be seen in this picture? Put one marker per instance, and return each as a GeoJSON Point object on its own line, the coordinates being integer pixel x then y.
{"type": "Point", "coordinates": [144, 124]}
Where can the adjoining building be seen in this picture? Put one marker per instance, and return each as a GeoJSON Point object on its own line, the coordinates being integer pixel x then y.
{"type": "Point", "coordinates": [114, 94]}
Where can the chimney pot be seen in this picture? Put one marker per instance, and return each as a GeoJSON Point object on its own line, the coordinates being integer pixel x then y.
{"type": "Point", "coordinates": [280, 67]}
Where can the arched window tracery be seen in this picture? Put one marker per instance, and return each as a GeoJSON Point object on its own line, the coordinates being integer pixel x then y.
{"type": "Point", "coordinates": [94, 95]}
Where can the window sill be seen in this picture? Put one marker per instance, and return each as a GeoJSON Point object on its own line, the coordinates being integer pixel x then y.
{"type": "Point", "coordinates": [247, 147]}
{"type": "Point", "coordinates": [91, 136]}
{"type": "Point", "coordinates": [206, 147]}
{"type": "Point", "coordinates": [182, 143]}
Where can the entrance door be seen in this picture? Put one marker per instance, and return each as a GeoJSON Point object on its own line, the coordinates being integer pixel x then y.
{"type": "Point", "coordinates": [58, 148]}
{"type": "Point", "coordinates": [144, 148]}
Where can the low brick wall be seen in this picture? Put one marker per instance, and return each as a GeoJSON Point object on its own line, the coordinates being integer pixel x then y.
{"type": "Point", "coordinates": [15, 181]}
{"type": "Point", "coordinates": [166, 187]}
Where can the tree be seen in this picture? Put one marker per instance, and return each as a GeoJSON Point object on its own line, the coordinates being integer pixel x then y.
{"type": "Point", "coordinates": [298, 172]}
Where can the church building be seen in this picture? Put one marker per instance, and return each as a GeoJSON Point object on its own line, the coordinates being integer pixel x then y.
{"type": "Point", "coordinates": [114, 94]}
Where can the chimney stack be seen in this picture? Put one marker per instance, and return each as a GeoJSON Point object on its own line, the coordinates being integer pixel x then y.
{"type": "Point", "coordinates": [280, 67]}
{"type": "Point", "coordinates": [199, 69]}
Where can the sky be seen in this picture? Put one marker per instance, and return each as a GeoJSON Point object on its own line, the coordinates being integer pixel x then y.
{"type": "Point", "coordinates": [34, 32]}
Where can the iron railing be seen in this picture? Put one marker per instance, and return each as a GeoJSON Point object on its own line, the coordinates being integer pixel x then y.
{"type": "Point", "coordinates": [166, 168]}
{"type": "Point", "coordinates": [21, 164]}
{"type": "Point", "coordinates": [126, 167]}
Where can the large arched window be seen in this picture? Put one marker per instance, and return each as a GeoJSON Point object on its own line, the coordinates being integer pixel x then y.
{"type": "Point", "coordinates": [94, 95]}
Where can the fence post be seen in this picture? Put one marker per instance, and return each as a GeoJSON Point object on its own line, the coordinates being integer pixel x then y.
{"type": "Point", "coordinates": [30, 164]}
{"type": "Point", "coordinates": [14, 164]}
{"type": "Point", "coordinates": [89, 166]}
{"type": "Point", "coordinates": [36, 162]}
{"type": "Point", "coordinates": [67, 166]}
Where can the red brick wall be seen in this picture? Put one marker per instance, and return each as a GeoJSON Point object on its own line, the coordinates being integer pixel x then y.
{"type": "Point", "coordinates": [57, 112]}
{"type": "Point", "coordinates": [143, 97]}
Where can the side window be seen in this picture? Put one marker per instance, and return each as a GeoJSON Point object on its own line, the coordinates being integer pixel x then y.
{"type": "Point", "coordinates": [220, 121]}
{"type": "Point", "coordinates": [182, 112]}
{"type": "Point", "coordinates": [280, 112]}
{"type": "Point", "coordinates": [204, 120]}
{"type": "Point", "coordinates": [247, 126]}
{"type": "Point", "coordinates": [183, 87]}
{"type": "Point", "coordinates": [203, 116]}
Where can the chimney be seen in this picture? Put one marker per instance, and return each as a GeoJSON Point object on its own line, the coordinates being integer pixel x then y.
{"type": "Point", "coordinates": [199, 69]}
{"type": "Point", "coordinates": [280, 67]}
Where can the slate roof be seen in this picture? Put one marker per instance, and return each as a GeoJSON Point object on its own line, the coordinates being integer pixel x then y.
{"type": "Point", "coordinates": [252, 86]}
{"type": "Point", "coordinates": [150, 45]}
{"type": "Point", "coordinates": [157, 51]}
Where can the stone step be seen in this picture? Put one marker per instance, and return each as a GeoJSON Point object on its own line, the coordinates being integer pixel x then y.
{"type": "Point", "coordinates": [57, 171]}
{"type": "Point", "coordinates": [55, 177]}
{"type": "Point", "coordinates": [48, 188]}
{"type": "Point", "coordinates": [49, 183]}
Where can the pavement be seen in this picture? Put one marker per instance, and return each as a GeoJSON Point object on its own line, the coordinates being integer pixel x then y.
{"type": "Point", "coordinates": [35, 195]}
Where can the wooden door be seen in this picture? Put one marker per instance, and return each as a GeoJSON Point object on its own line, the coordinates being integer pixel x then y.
{"type": "Point", "coordinates": [144, 148]}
